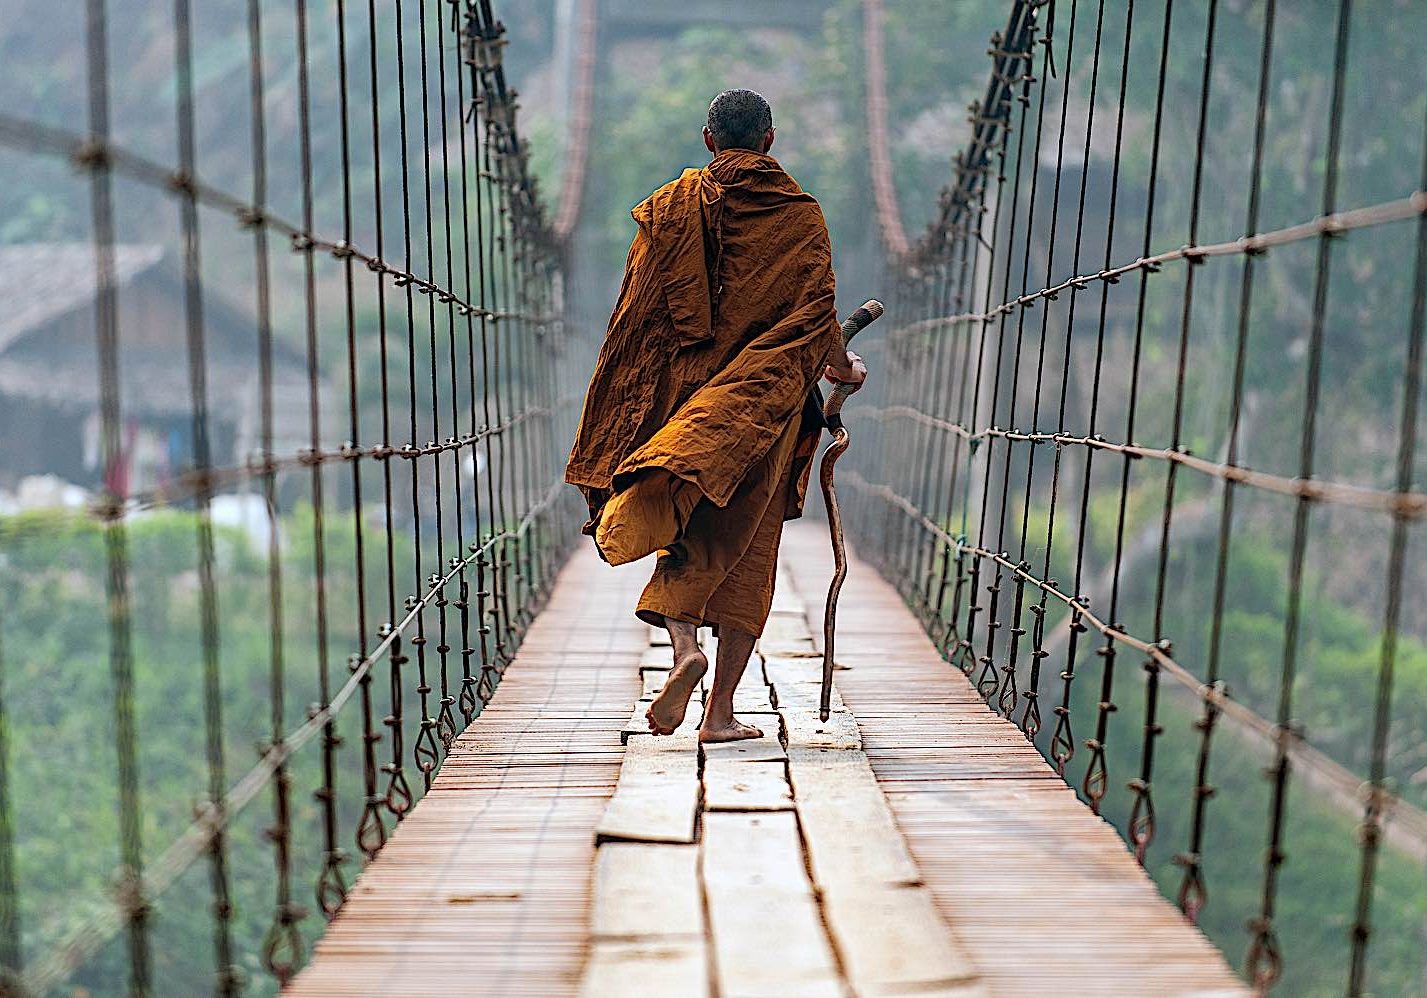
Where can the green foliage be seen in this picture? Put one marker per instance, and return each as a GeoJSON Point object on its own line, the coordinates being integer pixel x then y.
{"type": "Point", "coordinates": [652, 120]}
{"type": "Point", "coordinates": [1319, 882]}
{"type": "Point", "coordinates": [59, 701]}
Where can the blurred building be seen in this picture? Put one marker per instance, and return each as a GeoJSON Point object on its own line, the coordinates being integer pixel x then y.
{"type": "Point", "coordinates": [50, 385]}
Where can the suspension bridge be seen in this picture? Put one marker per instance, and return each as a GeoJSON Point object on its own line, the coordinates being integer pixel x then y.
{"type": "Point", "coordinates": [1128, 676]}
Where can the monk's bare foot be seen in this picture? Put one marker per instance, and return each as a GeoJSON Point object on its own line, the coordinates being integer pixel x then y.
{"type": "Point", "coordinates": [666, 713]}
{"type": "Point", "coordinates": [733, 730]}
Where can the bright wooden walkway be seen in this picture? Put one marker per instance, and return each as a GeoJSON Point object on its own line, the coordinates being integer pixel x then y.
{"type": "Point", "coordinates": [920, 848]}
{"type": "Point", "coordinates": [768, 867]}
{"type": "Point", "coordinates": [485, 888]}
{"type": "Point", "coordinates": [1043, 893]}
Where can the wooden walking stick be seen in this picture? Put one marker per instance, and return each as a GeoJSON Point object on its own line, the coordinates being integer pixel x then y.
{"type": "Point", "coordinates": [832, 410]}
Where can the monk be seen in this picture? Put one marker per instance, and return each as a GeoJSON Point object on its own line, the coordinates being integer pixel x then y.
{"type": "Point", "coordinates": [702, 415]}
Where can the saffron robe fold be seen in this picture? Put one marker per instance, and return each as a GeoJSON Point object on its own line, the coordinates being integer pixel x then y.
{"type": "Point", "coordinates": [720, 332]}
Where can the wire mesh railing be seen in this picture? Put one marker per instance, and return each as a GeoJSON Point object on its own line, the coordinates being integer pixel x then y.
{"type": "Point", "coordinates": [355, 339]}
{"type": "Point", "coordinates": [1125, 275]}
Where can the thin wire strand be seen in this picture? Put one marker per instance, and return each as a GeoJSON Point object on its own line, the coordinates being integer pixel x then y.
{"type": "Point", "coordinates": [130, 878]}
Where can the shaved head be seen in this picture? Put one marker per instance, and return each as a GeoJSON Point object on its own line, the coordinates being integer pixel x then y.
{"type": "Point", "coordinates": [739, 119]}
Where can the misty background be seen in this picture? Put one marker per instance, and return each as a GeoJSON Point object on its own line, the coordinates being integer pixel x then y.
{"type": "Point", "coordinates": [658, 65]}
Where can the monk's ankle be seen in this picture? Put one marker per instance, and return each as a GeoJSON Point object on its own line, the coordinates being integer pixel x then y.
{"type": "Point", "coordinates": [717, 716]}
{"type": "Point", "coordinates": [683, 637]}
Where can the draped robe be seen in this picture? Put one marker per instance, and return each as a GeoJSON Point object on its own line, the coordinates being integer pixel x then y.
{"type": "Point", "coordinates": [697, 434]}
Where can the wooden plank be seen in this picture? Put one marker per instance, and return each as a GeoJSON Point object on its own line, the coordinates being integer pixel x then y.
{"type": "Point", "coordinates": [785, 597]}
{"type": "Point", "coordinates": [785, 632]}
{"type": "Point", "coordinates": [808, 695]}
{"type": "Point", "coordinates": [888, 933]}
{"type": "Point", "coordinates": [652, 680]}
{"type": "Point", "coordinates": [758, 893]}
{"type": "Point", "coordinates": [753, 695]}
{"type": "Point", "coordinates": [637, 723]}
{"type": "Point", "coordinates": [847, 824]}
{"type": "Point", "coordinates": [893, 941]}
{"type": "Point", "coordinates": [758, 700]}
{"type": "Point", "coordinates": [669, 968]}
{"type": "Point", "coordinates": [768, 748]}
{"type": "Point", "coordinates": [736, 785]}
{"type": "Point", "coordinates": [657, 798]}
{"type": "Point", "coordinates": [804, 728]}
{"type": "Point", "coordinates": [792, 668]}
{"type": "Point", "coordinates": [1007, 851]}
{"type": "Point", "coordinates": [644, 890]}
{"type": "Point", "coordinates": [883, 920]}
{"type": "Point", "coordinates": [649, 809]}
{"type": "Point", "coordinates": [657, 657]}
{"type": "Point", "coordinates": [774, 644]}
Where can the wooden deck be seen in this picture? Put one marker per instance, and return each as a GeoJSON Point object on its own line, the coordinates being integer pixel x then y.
{"type": "Point", "coordinates": [1044, 894]}
{"type": "Point", "coordinates": [485, 887]}
{"type": "Point", "coordinates": [920, 847]}
{"type": "Point", "coordinates": [768, 867]}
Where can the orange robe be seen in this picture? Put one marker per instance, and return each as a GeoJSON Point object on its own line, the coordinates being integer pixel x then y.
{"type": "Point", "coordinates": [697, 433]}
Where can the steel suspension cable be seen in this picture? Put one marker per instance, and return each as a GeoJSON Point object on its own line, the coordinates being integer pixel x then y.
{"type": "Point", "coordinates": [1193, 892]}
{"type": "Point", "coordinates": [1264, 961]}
{"type": "Point", "coordinates": [1142, 817]}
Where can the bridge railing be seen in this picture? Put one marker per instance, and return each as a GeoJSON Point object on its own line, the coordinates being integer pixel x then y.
{"type": "Point", "coordinates": [1144, 453]}
{"type": "Point", "coordinates": [311, 318]}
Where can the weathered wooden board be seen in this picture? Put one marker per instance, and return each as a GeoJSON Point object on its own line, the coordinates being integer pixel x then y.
{"type": "Point", "coordinates": [668, 968]}
{"type": "Point", "coordinates": [768, 937]}
{"type": "Point", "coordinates": [753, 694]}
{"type": "Point", "coordinates": [657, 797]}
{"type": "Point", "coordinates": [786, 631]}
{"type": "Point", "coordinates": [785, 597]}
{"type": "Point", "coordinates": [638, 722]}
{"type": "Point", "coordinates": [644, 890]}
{"type": "Point", "coordinates": [650, 811]}
{"type": "Point", "coordinates": [775, 645]}
{"type": "Point", "coordinates": [808, 695]}
{"type": "Point", "coordinates": [892, 940]}
{"type": "Point", "coordinates": [657, 657]}
{"type": "Point", "coordinates": [787, 668]}
{"type": "Point", "coordinates": [792, 668]}
{"type": "Point", "coordinates": [849, 830]}
{"type": "Point", "coordinates": [736, 785]}
{"type": "Point", "coordinates": [805, 729]}
{"type": "Point", "coordinates": [791, 622]}
{"type": "Point", "coordinates": [766, 749]}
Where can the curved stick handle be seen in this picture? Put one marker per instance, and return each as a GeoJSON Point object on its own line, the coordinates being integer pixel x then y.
{"type": "Point", "coordinates": [867, 313]}
{"type": "Point", "coordinates": [834, 451]}
{"type": "Point", "coordinates": [859, 320]}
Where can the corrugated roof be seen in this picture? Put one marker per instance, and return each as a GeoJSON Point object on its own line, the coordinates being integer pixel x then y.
{"type": "Point", "coordinates": [43, 281]}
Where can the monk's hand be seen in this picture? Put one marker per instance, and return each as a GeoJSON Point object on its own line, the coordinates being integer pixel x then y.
{"type": "Point", "coordinates": [852, 371]}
